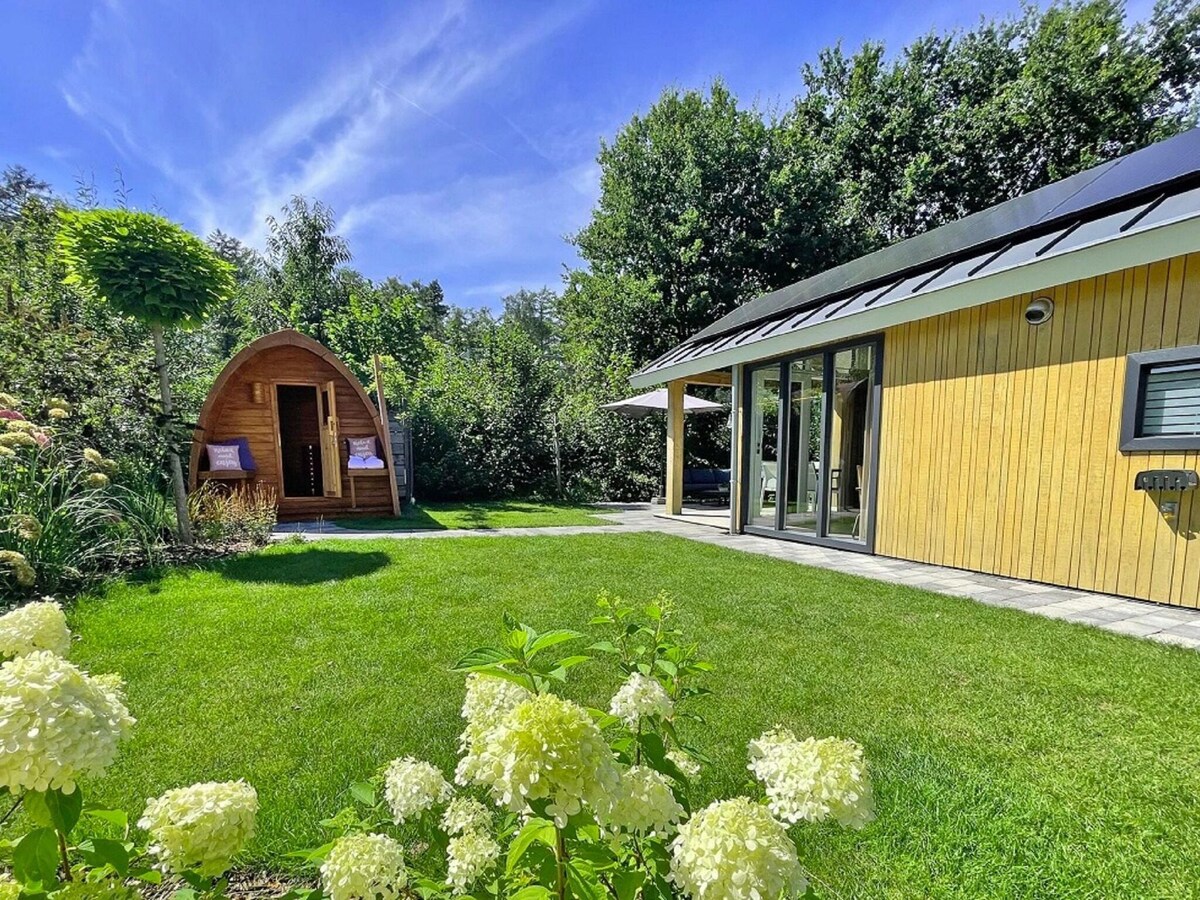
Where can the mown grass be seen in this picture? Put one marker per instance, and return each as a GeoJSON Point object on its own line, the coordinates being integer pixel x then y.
{"type": "Point", "coordinates": [478, 515]}
{"type": "Point", "coordinates": [1013, 756]}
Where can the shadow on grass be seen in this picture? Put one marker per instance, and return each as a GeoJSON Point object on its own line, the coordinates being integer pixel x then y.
{"type": "Point", "coordinates": [479, 515]}
{"type": "Point", "coordinates": [313, 565]}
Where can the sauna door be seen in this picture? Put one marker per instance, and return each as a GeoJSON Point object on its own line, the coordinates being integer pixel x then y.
{"type": "Point", "coordinates": [331, 463]}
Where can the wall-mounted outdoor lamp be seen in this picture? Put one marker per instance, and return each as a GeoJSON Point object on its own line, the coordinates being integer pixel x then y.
{"type": "Point", "coordinates": [1039, 311]}
{"type": "Point", "coordinates": [258, 391]}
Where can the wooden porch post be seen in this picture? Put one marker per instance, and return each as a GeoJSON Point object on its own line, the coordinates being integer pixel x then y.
{"type": "Point", "coordinates": [675, 447]}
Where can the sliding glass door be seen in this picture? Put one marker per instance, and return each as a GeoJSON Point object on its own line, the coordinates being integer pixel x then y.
{"type": "Point", "coordinates": [813, 441]}
{"type": "Point", "coordinates": [806, 394]}
{"type": "Point", "coordinates": [764, 447]}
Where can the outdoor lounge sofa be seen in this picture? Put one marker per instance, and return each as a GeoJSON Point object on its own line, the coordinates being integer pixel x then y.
{"type": "Point", "coordinates": [706, 484]}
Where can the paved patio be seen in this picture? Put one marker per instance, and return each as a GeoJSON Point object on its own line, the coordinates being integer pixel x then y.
{"type": "Point", "coordinates": [1170, 625]}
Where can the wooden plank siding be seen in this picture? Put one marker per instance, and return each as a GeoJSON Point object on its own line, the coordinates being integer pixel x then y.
{"type": "Point", "coordinates": [232, 412]}
{"type": "Point", "coordinates": [1000, 441]}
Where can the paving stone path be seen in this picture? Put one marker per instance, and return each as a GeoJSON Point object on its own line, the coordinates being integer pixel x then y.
{"type": "Point", "coordinates": [1171, 625]}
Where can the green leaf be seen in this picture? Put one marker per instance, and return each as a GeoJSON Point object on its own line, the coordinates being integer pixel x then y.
{"type": "Point", "coordinates": [583, 881]}
{"type": "Point", "coordinates": [363, 792]}
{"type": "Point", "coordinates": [35, 858]}
{"type": "Point", "coordinates": [552, 639]}
{"type": "Point", "coordinates": [103, 852]}
{"type": "Point", "coordinates": [532, 892]}
{"type": "Point", "coordinates": [37, 810]}
{"type": "Point", "coordinates": [150, 876]}
{"type": "Point", "coordinates": [605, 647]}
{"type": "Point", "coordinates": [481, 657]}
{"type": "Point", "coordinates": [64, 809]}
{"type": "Point", "coordinates": [534, 830]}
{"type": "Point", "coordinates": [667, 666]}
{"type": "Point", "coordinates": [313, 855]}
{"type": "Point", "coordinates": [627, 883]}
{"type": "Point", "coordinates": [497, 672]}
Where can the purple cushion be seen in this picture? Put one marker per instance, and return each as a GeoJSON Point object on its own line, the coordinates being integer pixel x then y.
{"type": "Point", "coordinates": [243, 445]}
{"type": "Point", "coordinates": [223, 458]}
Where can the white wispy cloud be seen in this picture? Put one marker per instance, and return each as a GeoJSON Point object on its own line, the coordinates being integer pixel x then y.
{"type": "Point", "coordinates": [335, 141]}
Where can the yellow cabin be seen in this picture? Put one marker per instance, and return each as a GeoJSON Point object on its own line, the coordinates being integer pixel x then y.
{"type": "Point", "coordinates": [1016, 392]}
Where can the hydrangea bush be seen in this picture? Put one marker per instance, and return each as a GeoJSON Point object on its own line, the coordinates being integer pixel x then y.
{"type": "Point", "coordinates": [549, 800]}
{"type": "Point", "coordinates": [555, 800]}
{"type": "Point", "coordinates": [60, 725]}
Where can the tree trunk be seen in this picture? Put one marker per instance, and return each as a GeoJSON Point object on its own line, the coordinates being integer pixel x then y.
{"type": "Point", "coordinates": [177, 486]}
{"type": "Point", "coordinates": [558, 485]}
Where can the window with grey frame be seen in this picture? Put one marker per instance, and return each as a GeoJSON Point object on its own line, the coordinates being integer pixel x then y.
{"type": "Point", "coordinates": [1161, 409]}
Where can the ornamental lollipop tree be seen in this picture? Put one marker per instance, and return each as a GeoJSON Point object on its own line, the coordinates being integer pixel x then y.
{"type": "Point", "coordinates": [156, 272]}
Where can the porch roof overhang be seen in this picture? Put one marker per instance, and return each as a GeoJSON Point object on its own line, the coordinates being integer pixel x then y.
{"type": "Point", "coordinates": [1136, 210]}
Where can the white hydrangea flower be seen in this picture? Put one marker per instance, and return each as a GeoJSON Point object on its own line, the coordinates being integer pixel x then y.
{"type": "Point", "coordinates": [201, 828]}
{"type": "Point", "coordinates": [548, 748]}
{"type": "Point", "coordinates": [641, 697]}
{"type": "Point", "coordinates": [411, 786]}
{"type": "Point", "coordinates": [735, 850]}
{"type": "Point", "coordinates": [684, 763]}
{"type": "Point", "coordinates": [35, 626]}
{"type": "Point", "coordinates": [57, 723]}
{"type": "Point", "coordinates": [489, 699]}
{"type": "Point", "coordinates": [364, 867]}
{"type": "Point", "coordinates": [469, 856]}
{"type": "Point", "coordinates": [644, 803]}
{"type": "Point", "coordinates": [466, 814]}
{"type": "Point", "coordinates": [813, 780]}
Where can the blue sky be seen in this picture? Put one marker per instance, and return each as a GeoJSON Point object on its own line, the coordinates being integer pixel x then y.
{"type": "Point", "coordinates": [454, 140]}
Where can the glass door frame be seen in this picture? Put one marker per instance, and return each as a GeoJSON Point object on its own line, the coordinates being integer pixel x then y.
{"type": "Point", "coordinates": [827, 352]}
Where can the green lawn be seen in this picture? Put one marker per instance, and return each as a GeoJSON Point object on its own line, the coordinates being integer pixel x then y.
{"type": "Point", "coordinates": [1013, 756]}
{"type": "Point", "coordinates": [477, 515]}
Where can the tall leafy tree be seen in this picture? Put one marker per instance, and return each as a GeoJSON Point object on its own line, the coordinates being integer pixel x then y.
{"type": "Point", "coordinates": [153, 271]}
{"type": "Point", "coordinates": [712, 204]}
{"type": "Point", "coordinates": [303, 254]}
{"type": "Point", "coordinates": [956, 123]}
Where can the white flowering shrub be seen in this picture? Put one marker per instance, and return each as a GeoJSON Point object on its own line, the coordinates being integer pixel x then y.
{"type": "Point", "coordinates": [364, 867]}
{"type": "Point", "coordinates": [413, 787]}
{"type": "Point", "coordinates": [556, 800]}
{"type": "Point", "coordinates": [644, 802]}
{"type": "Point", "coordinates": [559, 800]}
{"type": "Point", "coordinates": [735, 850]}
{"type": "Point", "coordinates": [468, 857]}
{"type": "Point", "coordinates": [35, 626]}
{"type": "Point", "coordinates": [60, 725]}
{"type": "Point", "coordinates": [201, 828]}
{"type": "Point", "coordinates": [813, 780]}
{"type": "Point", "coordinates": [640, 698]}
{"type": "Point", "coordinates": [57, 724]}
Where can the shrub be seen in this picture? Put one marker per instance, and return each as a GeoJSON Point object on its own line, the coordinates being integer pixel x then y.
{"type": "Point", "coordinates": [62, 518]}
{"type": "Point", "coordinates": [245, 515]}
{"type": "Point", "coordinates": [579, 802]}
{"type": "Point", "coordinates": [584, 802]}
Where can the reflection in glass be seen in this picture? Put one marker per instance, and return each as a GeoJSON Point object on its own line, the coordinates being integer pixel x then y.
{"type": "Point", "coordinates": [806, 396]}
{"type": "Point", "coordinates": [849, 442]}
{"type": "Point", "coordinates": [764, 454]}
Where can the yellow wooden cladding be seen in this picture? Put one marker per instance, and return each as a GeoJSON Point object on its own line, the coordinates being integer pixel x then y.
{"type": "Point", "coordinates": [1000, 440]}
